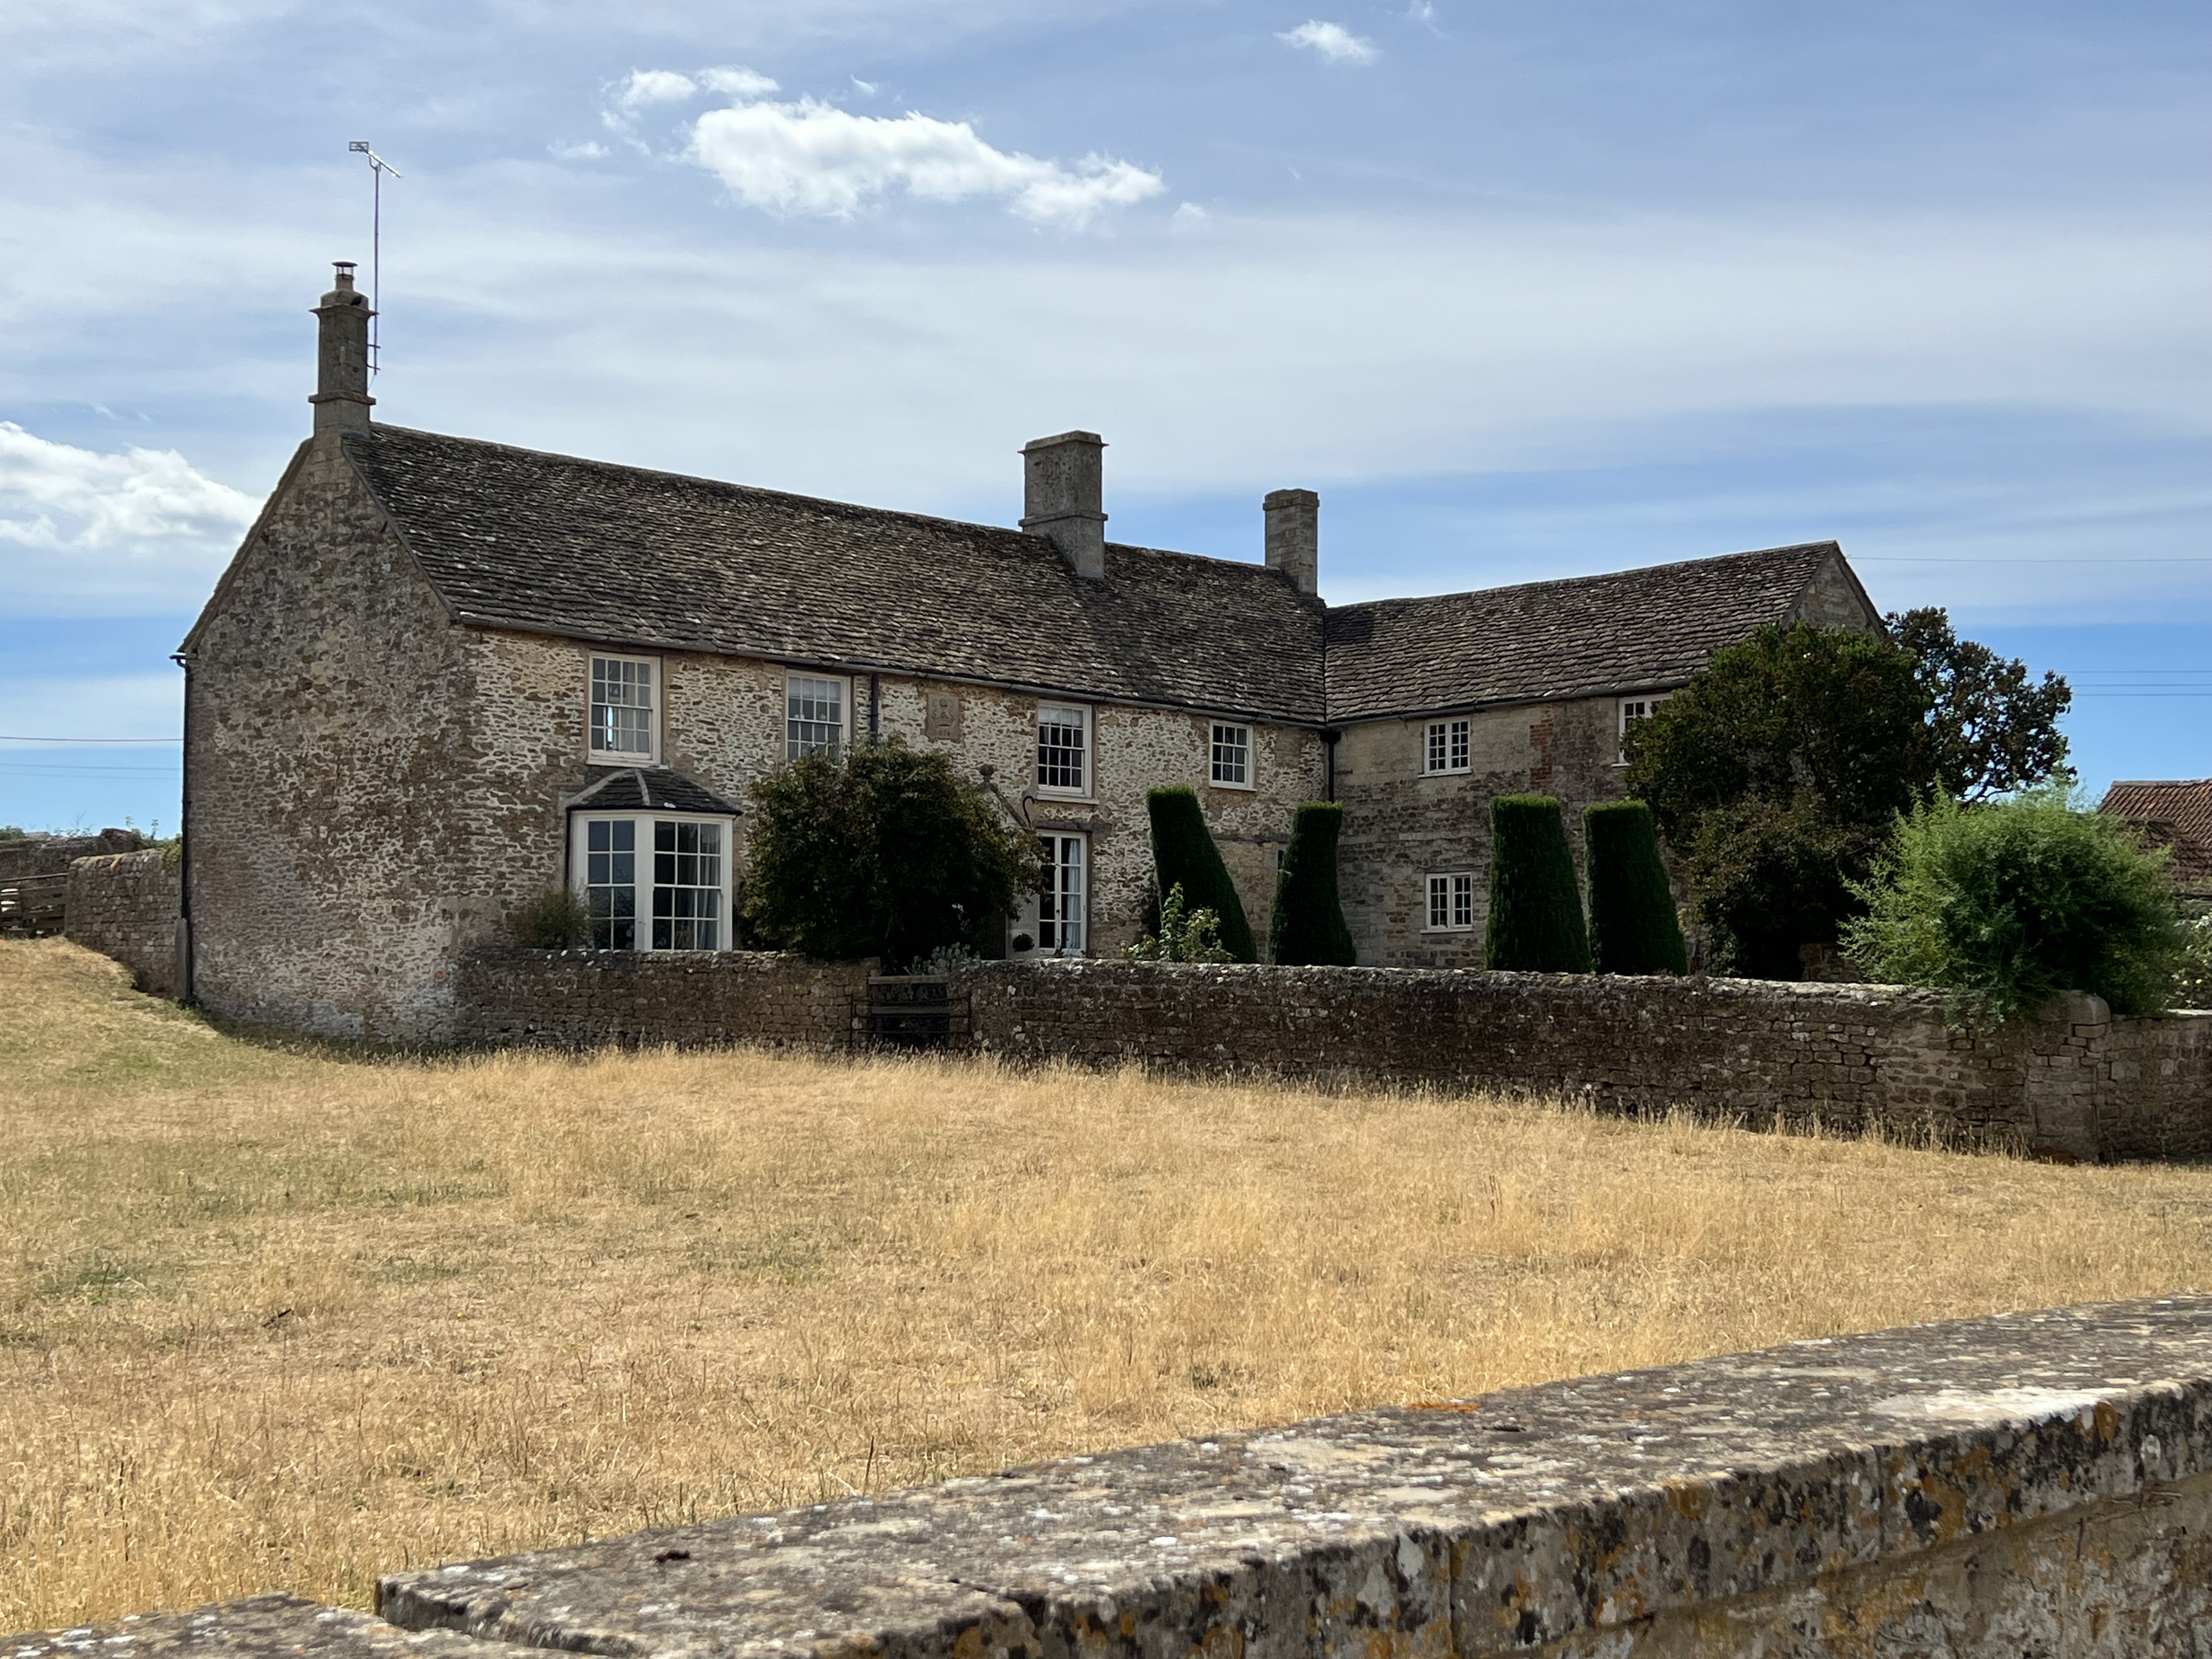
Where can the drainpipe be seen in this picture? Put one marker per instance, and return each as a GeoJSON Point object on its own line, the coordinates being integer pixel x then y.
{"type": "Point", "coordinates": [875, 706]}
{"type": "Point", "coordinates": [184, 943]}
{"type": "Point", "coordinates": [1328, 742]}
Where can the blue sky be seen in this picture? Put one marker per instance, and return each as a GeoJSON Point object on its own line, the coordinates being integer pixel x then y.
{"type": "Point", "coordinates": [1523, 290]}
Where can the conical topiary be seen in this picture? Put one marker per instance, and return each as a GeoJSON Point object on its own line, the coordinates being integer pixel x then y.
{"type": "Point", "coordinates": [1535, 909]}
{"type": "Point", "coordinates": [1183, 855]}
{"type": "Point", "coordinates": [1633, 928]}
{"type": "Point", "coordinates": [1308, 925]}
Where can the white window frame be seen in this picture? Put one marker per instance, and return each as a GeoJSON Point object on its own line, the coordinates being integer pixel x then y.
{"type": "Point", "coordinates": [1213, 746]}
{"type": "Point", "coordinates": [643, 882]}
{"type": "Point", "coordinates": [1450, 742]}
{"type": "Point", "coordinates": [838, 744]}
{"type": "Point", "coordinates": [1072, 932]}
{"type": "Point", "coordinates": [1450, 894]}
{"type": "Point", "coordinates": [650, 755]}
{"type": "Point", "coordinates": [1642, 704]}
{"type": "Point", "coordinates": [1088, 727]}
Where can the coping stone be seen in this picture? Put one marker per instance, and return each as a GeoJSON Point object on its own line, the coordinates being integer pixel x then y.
{"type": "Point", "coordinates": [258, 1627]}
{"type": "Point", "coordinates": [1442, 1528]}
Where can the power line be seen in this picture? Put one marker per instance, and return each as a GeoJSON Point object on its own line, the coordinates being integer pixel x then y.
{"type": "Point", "coordinates": [4, 738]}
{"type": "Point", "coordinates": [1945, 558]}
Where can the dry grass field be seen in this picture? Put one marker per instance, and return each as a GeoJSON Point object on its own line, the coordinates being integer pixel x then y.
{"type": "Point", "coordinates": [277, 1318]}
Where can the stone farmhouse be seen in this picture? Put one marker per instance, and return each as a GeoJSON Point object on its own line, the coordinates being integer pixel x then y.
{"type": "Point", "coordinates": [442, 674]}
{"type": "Point", "coordinates": [2176, 813]}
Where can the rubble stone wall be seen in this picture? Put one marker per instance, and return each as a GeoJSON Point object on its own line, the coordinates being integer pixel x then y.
{"type": "Point", "coordinates": [1849, 1058]}
{"type": "Point", "coordinates": [624, 999]}
{"type": "Point", "coordinates": [125, 905]}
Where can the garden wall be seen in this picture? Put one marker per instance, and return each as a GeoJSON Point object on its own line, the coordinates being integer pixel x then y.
{"type": "Point", "coordinates": [125, 905]}
{"type": "Point", "coordinates": [2077, 1085]}
{"type": "Point", "coordinates": [2037, 1483]}
{"type": "Point", "coordinates": [631, 999]}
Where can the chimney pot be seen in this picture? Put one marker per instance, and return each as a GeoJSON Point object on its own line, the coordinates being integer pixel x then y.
{"type": "Point", "coordinates": [1063, 497]}
{"type": "Point", "coordinates": [1294, 536]}
{"type": "Point", "coordinates": [341, 400]}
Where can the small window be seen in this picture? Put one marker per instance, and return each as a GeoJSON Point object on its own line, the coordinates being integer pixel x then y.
{"type": "Point", "coordinates": [1448, 746]}
{"type": "Point", "coordinates": [1633, 709]}
{"type": "Point", "coordinates": [1232, 756]}
{"type": "Point", "coordinates": [1063, 750]}
{"type": "Point", "coordinates": [654, 884]}
{"type": "Point", "coordinates": [623, 708]}
{"type": "Point", "coordinates": [1451, 902]}
{"type": "Point", "coordinates": [813, 716]}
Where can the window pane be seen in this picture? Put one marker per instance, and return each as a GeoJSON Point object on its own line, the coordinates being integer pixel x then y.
{"type": "Point", "coordinates": [814, 716]}
{"type": "Point", "coordinates": [1232, 754]}
{"type": "Point", "coordinates": [1061, 747]}
{"type": "Point", "coordinates": [1434, 761]}
{"type": "Point", "coordinates": [611, 883]}
{"type": "Point", "coordinates": [1462, 901]}
{"type": "Point", "coordinates": [1439, 912]}
{"type": "Point", "coordinates": [1462, 733]}
{"type": "Point", "coordinates": [621, 707]}
{"type": "Point", "coordinates": [687, 885]}
{"type": "Point", "coordinates": [1060, 914]}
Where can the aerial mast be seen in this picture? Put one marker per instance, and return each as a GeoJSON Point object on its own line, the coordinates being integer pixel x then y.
{"type": "Point", "coordinates": [378, 167]}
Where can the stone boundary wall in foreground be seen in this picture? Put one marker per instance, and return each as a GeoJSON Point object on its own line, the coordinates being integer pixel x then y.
{"type": "Point", "coordinates": [2078, 1084]}
{"type": "Point", "coordinates": [2039, 1483]}
{"type": "Point", "coordinates": [634, 999]}
{"type": "Point", "coordinates": [125, 905]}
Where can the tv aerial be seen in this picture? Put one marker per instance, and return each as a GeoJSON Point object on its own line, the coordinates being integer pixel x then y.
{"type": "Point", "coordinates": [378, 167]}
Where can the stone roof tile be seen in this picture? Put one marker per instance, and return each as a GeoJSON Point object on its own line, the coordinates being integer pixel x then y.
{"type": "Point", "coordinates": [2175, 813]}
{"type": "Point", "coordinates": [1632, 630]}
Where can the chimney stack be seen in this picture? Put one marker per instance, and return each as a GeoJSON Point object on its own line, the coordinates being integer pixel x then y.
{"type": "Point", "coordinates": [1063, 498]}
{"type": "Point", "coordinates": [341, 399]}
{"type": "Point", "coordinates": [1293, 518]}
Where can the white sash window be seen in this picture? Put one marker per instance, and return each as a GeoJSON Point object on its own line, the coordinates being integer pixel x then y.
{"type": "Point", "coordinates": [654, 883]}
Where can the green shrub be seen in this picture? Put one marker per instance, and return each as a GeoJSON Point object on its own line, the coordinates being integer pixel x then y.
{"type": "Point", "coordinates": [2192, 980]}
{"type": "Point", "coordinates": [553, 920]}
{"type": "Point", "coordinates": [1632, 926]}
{"type": "Point", "coordinates": [1308, 926]}
{"type": "Point", "coordinates": [1536, 910]}
{"type": "Point", "coordinates": [1771, 876]}
{"type": "Point", "coordinates": [2010, 903]}
{"type": "Point", "coordinates": [1180, 937]}
{"type": "Point", "coordinates": [883, 852]}
{"type": "Point", "coordinates": [1184, 856]}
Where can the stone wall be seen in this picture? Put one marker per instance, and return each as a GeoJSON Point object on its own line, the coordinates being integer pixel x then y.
{"type": "Point", "coordinates": [2035, 1484]}
{"type": "Point", "coordinates": [2078, 1084]}
{"type": "Point", "coordinates": [624, 999]}
{"type": "Point", "coordinates": [52, 855]}
{"type": "Point", "coordinates": [125, 905]}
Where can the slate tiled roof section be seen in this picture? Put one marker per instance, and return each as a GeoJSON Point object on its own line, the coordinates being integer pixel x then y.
{"type": "Point", "coordinates": [512, 538]}
{"type": "Point", "coordinates": [2176, 814]}
{"type": "Point", "coordinates": [1634, 630]}
{"type": "Point", "coordinates": [648, 789]}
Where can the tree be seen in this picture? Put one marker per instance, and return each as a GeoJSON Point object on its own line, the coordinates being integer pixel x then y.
{"type": "Point", "coordinates": [1777, 774]}
{"type": "Point", "coordinates": [1184, 856]}
{"type": "Point", "coordinates": [1536, 910]}
{"type": "Point", "coordinates": [885, 851]}
{"type": "Point", "coordinates": [1633, 925]}
{"type": "Point", "coordinates": [1992, 730]}
{"type": "Point", "coordinates": [2009, 902]}
{"type": "Point", "coordinates": [1308, 925]}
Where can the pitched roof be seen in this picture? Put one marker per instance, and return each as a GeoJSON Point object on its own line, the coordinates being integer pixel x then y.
{"type": "Point", "coordinates": [2176, 814]}
{"type": "Point", "coordinates": [515, 538]}
{"type": "Point", "coordinates": [648, 789]}
{"type": "Point", "coordinates": [1630, 631]}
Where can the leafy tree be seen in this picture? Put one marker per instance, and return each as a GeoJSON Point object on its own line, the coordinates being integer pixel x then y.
{"type": "Point", "coordinates": [1992, 730]}
{"type": "Point", "coordinates": [553, 920]}
{"type": "Point", "coordinates": [1633, 925]}
{"type": "Point", "coordinates": [1184, 856]}
{"type": "Point", "coordinates": [1777, 774]}
{"type": "Point", "coordinates": [1181, 937]}
{"type": "Point", "coordinates": [1535, 906]}
{"type": "Point", "coordinates": [1308, 925]}
{"type": "Point", "coordinates": [2192, 980]}
{"type": "Point", "coordinates": [2009, 902]}
{"type": "Point", "coordinates": [885, 851]}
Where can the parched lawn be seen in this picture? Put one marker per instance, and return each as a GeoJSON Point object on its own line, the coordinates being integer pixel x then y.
{"type": "Point", "coordinates": [286, 1319]}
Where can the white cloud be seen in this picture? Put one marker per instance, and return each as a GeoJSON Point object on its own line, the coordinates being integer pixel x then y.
{"type": "Point", "coordinates": [814, 158]}
{"type": "Point", "coordinates": [1332, 40]}
{"type": "Point", "coordinates": [562, 150]}
{"type": "Point", "coordinates": [736, 82]}
{"type": "Point", "coordinates": [646, 87]}
{"type": "Point", "coordinates": [111, 525]}
{"type": "Point", "coordinates": [868, 89]}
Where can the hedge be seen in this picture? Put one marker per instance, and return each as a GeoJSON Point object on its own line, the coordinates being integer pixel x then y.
{"type": "Point", "coordinates": [1184, 856]}
{"type": "Point", "coordinates": [1536, 910]}
{"type": "Point", "coordinates": [1633, 928]}
{"type": "Point", "coordinates": [1308, 926]}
